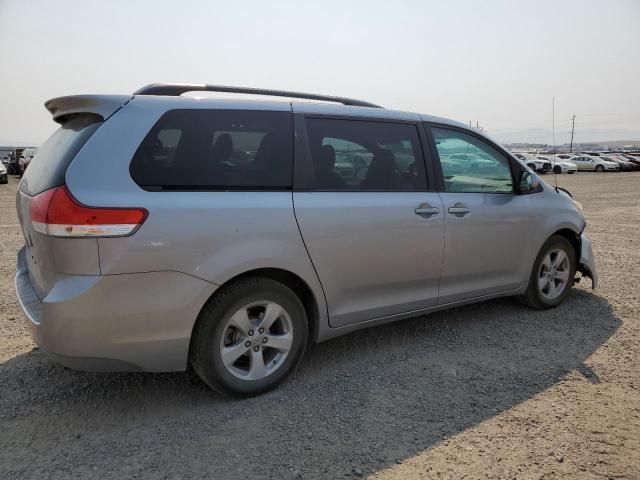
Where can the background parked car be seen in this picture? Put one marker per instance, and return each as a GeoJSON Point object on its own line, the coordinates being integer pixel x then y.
{"type": "Point", "coordinates": [4, 156]}
{"type": "Point", "coordinates": [13, 167]}
{"type": "Point", "coordinates": [630, 158]}
{"type": "Point", "coordinates": [560, 166]}
{"type": "Point", "coordinates": [25, 159]}
{"type": "Point", "coordinates": [594, 164]}
{"type": "Point", "coordinates": [625, 165]}
{"type": "Point", "coordinates": [534, 163]}
{"type": "Point", "coordinates": [4, 178]}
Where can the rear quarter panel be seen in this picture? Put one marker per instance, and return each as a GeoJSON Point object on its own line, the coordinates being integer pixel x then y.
{"type": "Point", "coordinates": [213, 236]}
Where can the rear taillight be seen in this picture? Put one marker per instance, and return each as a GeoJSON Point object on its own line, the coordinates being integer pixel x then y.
{"type": "Point", "coordinates": [55, 212]}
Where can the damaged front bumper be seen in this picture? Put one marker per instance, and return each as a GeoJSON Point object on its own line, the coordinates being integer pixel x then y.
{"type": "Point", "coordinates": [587, 263]}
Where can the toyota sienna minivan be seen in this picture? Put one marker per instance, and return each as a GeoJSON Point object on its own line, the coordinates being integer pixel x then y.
{"type": "Point", "coordinates": [165, 231]}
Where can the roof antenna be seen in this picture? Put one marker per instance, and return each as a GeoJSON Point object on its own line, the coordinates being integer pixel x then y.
{"type": "Point", "coordinates": [553, 132]}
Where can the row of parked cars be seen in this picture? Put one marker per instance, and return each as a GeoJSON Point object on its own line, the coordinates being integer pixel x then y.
{"type": "Point", "coordinates": [15, 162]}
{"type": "Point", "coordinates": [588, 161]}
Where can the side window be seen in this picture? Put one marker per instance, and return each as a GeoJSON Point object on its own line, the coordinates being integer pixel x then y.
{"type": "Point", "coordinates": [470, 165]}
{"type": "Point", "coordinates": [362, 155]}
{"type": "Point", "coordinates": [216, 149]}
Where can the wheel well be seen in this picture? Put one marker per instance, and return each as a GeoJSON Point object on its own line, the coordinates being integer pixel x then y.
{"type": "Point", "coordinates": [291, 280]}
{"type": "Point", "coordinates": [574, 239]}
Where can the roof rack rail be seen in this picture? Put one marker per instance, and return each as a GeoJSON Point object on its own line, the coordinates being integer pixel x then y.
{"type": "Point", "coordinates": [177, 89]}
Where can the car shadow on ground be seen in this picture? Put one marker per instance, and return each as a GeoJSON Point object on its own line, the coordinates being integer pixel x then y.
{"type": "Point", "coordinates": [367, 399]}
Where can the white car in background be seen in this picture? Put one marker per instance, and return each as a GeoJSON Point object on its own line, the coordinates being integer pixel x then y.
{"type": "Point", "coordinates": [594, 164]}
{"type": "Point", "coordinates": [559, 165]}
{"type": "Point", "coordinates": [534, 163]}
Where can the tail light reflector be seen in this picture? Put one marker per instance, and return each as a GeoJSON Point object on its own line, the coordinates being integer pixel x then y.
{"type": "Point", "coordinates": [56, 213]}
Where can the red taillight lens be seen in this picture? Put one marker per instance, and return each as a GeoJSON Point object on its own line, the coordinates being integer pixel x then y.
{"type": "Point", "coordinates": [55, 212]}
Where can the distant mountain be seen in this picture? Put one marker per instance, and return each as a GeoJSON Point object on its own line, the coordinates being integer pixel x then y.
{"type": "Point", "coordinates": [14, 145]}
{"type": "Point", "coordinates": [584, 135]}
{"type": "Point", "coordinates": [617, 143]}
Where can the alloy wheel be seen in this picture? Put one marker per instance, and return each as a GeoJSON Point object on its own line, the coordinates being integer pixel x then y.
{"type": "Point", "coordinates": [553, 276]}
{"type": "Point", "coordinates": [256, 340]}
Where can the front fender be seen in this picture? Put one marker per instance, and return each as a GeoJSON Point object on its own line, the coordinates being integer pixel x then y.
{"type": "Point", "coordinates": [587, 262]}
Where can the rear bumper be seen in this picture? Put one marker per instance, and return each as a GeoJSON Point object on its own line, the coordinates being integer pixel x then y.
{"type": "Point", "coordinates": [129, 322]}
{"type": "Point", "coordinates": [587, 263]}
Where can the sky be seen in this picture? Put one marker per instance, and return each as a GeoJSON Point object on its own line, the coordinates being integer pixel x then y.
{"type": "Point", "coordinates": [498, 63]}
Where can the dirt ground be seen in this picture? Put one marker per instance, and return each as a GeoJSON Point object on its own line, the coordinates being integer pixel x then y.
{"type": "Point", "coordinates": [493, 390]}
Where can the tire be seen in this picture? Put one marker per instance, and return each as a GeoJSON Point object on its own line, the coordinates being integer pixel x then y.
{"type": "Point", "coordinates": [217, 327]}
{"type": "Point", "coordinates": [535, 296]}
{"type": "Point", "coordinates": [599, 168]}
{"type": "Point", "coordinates": [557, 169]}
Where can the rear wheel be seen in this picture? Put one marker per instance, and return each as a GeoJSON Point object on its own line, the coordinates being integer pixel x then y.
{"type": "Point", "coordinates": [599, 168]}
{"type": "Point", "coordinates": [552, 275]}
{"type": "Point", "coordinates": [557, 169]}
{"type": "Point", "coordinates": [249, 337]}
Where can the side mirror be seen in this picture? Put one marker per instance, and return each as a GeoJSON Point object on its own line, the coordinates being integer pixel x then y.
{"type": "Point", "coordinates": [528, 182]}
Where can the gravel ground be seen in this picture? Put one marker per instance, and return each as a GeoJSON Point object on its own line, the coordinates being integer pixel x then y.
{"type": "Point", "coordinates": [487, 391]}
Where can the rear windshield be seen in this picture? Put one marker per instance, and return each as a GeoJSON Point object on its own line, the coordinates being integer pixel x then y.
{"type": "Point", "coordinates": [216, 150]}
{"type": "Point", "coordinates": [49, 165]}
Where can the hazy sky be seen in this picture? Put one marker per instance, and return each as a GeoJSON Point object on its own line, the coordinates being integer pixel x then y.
{"type": "Point", "coordinates": [498, 62]}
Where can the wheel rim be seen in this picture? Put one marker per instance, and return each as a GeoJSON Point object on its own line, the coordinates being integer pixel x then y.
{"type": "Point", "coordinates": [256, 340]}
{"type": "Point", "coordinates": [553, 276]}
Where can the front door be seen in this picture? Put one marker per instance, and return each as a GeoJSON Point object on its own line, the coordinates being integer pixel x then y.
{"type": "Point", "coordinates": [487, 225]}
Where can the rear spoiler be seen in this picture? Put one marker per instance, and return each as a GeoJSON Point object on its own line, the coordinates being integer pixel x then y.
{"type": "Point", "coordinates": [102, 105]}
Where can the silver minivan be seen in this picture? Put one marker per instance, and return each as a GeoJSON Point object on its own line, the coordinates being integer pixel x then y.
{"type": "Point", "coordinates": [165, 231]}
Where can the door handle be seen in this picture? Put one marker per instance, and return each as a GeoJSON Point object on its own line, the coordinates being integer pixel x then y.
{"type": "Point", "coordinates": [426, 210]}
{"type": "Point", "coordinates": [459, 210]}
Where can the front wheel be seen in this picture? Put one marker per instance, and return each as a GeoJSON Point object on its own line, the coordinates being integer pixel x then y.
{"type": "Point", "coordinates": [599, 168]}
{"type": "Point", "coordinates": [557, 169]}
{"type": "Point", "coordinates": [552, 275]}
{"type": "Point", "coordinates": [249, 337]}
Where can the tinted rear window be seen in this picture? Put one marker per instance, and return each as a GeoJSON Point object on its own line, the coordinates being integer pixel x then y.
{"type": "Point", "coordinates": [350, 155]}
{"type": "Point", "coordinates": [49, 165]}
{"type": "Point", "coordinates": [216, 149]}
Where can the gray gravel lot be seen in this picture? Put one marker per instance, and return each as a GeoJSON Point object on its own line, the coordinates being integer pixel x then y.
{"type": "Point", "coordinates": [487, 391]}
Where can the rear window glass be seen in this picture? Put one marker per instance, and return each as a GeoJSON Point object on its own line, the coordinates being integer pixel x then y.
{"type": "Point", "coordinates": [49, 165]}
{"type": "Point", "coordinates": [216, 149]}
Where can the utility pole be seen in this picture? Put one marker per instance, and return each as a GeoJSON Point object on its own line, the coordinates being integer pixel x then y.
{"type": "Point", "coordinates": [573, 124]}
